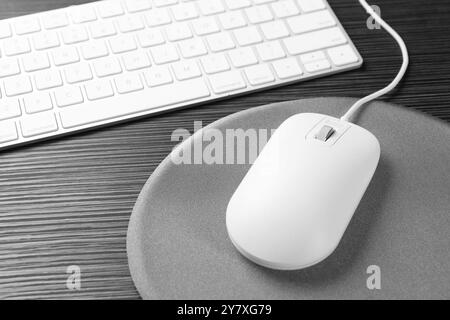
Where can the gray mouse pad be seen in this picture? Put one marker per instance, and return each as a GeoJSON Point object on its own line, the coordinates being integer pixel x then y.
{"type": "Point", "coordinates": [396, 246]}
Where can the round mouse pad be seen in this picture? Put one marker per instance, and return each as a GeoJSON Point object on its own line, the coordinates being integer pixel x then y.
{"type": "Point", "coordinates": [396, 246]}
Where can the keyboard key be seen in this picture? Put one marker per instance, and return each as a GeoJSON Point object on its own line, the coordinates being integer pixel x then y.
{"type": "Point", "coordinates": [128, 83]}
{"type": "Point", "coordinates": [164, 54]}
{"type": "Point", "coordinates": [186, 70]}
{"type": "Point", "coordinates": [237, 4]}
{"type": "Point", "coordinates": [158, 76]}
{"type": "Point", "coordinates": [17, 85]}
{"type": "Point", "coordinates": [248, 35]}
{"type": "Point", "coordinates": [220, 42]}
{"type": "Point", "coordinates": [205, 25]}
{"type": "Point", "coordinates": [74, 34]}
{"type": "Point", "coordinates": [137, 5]}
{"type": "Point", "coordinates": [78, 72]}
{"type": "Point", "coordinates": [15, 46]}
{"type": "Point", "coordinates": [263, 1]}
{"type": "Point", "coordinates": [36, 61]}
{"type": "Point", "coordinates": [242, 57]}
{"type": "Point", "coordinates": [232, 20]}
{"type": "Point", "coordinates": [156, 97]}
{"type": "Point", "coordinates": [342, 55]}
{"type": "Point", "coordinates": [259, 74]}
{"type": "Point", "coordinates": [47, 40]}
{"type": "Point", "coordinates": [215, 63]}
{"type": "Point", "coordinates": [108, 9]}
{"type": "Point", "coordinates": [9, 108]}
{"type": "Point", "coordinates": [122, 44]}
{"type": "Point", "coordinates": [107, 67]}
{"type": "Point", "coordinates": [178, 31]}
{"type": "Point", "coordinates": [312, 56]}
{"type": "Point", "coordinates": [311, 21]}
{"type": "Point", "coordinates": [82, 14]}
{"type": "Point", "coordinates": [9, 67]}
{"type": "Point", "coordinates": [27, 24]}
{"type": "Point", "coordinates": [5, 30]}
{"type": "Point", "coordinates": [317, 66]}
{"type": "Point", "coordinates": [164, 3]}
{"type": "Point", "coordinates": [99, 89]}
{"type": "Point", "coordinates": [68, 96]}
{"type": "Point", "coordinates": [37, 102]}
{"type": "Point", "coordinates": [258, 14]}
{"type": "Point", "coordinates": [130, 23]}
{"type": "Point", "coordinates": [149, 38]}
{"type": "Point", "coordinates": [227, 81]}
{"type": "Point", "coordinates": [135, 60]}
{"type": "Point", "coordinates": [65, 55]}
{"type": "Point", "coordinates": [270, 51]}
{"type": "Point", "coordinates": [101, 29]}
{"type": "Point", "coordinates": [55, 19]}
{"type": "Point", "coordinates": [274, 30]}
{"type": "Point", "coordinates": [157, 17]}
{"type": "Point", "coordinates": [315, 40]}
{"type": "Point", "coordinates": [185, 11]}
{"type": "Point", "coordinates": [39, 123]}
{"type": "Point", "coordinates": [311, 5]}
{"type": "Point", "coordinates": [209, 7]}
{"type": "Point", "coordinates": [286, 8]}
{"type": "Point", "coordinates": [192, 48]}
{"type": "Point", "coordinates": [48, 79]}
{"type": "Point", "coordinates": [8, 131]}
{"type": "Point", "coordinates": [287, 68]}
{"type": "Point", "coordinates": [94, 49]}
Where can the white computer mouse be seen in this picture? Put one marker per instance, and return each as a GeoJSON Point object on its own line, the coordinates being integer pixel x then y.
{"type": "Point", "coordinates": [296, 201]}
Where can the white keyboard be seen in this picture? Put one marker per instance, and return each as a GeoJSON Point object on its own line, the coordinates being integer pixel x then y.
{"type": "Point", "coordinates": [94, 64]}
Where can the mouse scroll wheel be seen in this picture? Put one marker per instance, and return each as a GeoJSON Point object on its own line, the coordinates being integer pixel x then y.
{"type": "Point", "coordinates": [325, 133]}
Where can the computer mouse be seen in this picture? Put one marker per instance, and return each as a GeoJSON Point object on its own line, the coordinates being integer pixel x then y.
{"type": "Point", "coordinates": [294, 204]}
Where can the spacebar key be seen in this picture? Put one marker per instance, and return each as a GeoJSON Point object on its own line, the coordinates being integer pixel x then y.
{"type": "Point", "coordinates": [131, 103]}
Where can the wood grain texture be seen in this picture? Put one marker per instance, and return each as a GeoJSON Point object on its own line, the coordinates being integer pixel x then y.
{"type": "Point", "coordinates": [68, 201]}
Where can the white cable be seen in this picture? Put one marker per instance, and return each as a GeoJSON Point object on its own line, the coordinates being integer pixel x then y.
{"type": "Point", "coordinates": [348, 115]}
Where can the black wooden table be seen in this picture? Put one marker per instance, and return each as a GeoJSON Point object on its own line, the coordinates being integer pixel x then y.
{"type": "Point", "coordinates": [67, 201]}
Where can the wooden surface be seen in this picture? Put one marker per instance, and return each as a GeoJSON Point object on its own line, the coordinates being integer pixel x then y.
{"type": "Point", "coordinates": [67, 201]}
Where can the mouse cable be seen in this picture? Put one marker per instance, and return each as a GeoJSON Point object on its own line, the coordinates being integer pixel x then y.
{"type": "Point", "coordinates": [348, 115]}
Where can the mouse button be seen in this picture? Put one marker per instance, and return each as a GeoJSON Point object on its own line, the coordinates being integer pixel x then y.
{"type": "Point", "coordinates": [339, 132]}
{"type": "Point", "coordinates": [322, 129]}
{"type": "Point", "coordinates": [325, 133]}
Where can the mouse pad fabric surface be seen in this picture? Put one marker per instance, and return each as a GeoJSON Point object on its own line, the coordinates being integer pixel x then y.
{"type": "Point", "coordinates": [396, 246]}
